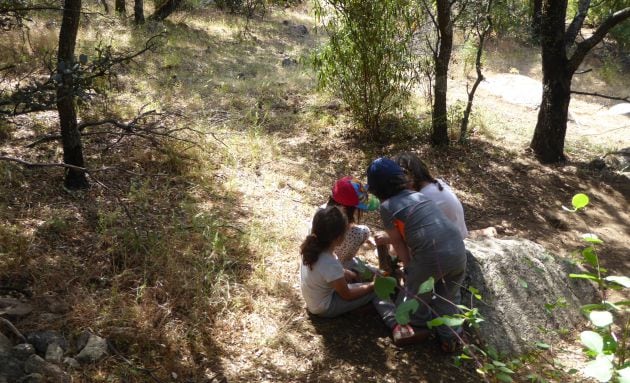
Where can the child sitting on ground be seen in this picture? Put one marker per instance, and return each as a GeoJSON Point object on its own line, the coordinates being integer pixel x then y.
{"type": "Point", "coordinates": [352, 197]}
{"type": "Point", "coordinates": [323, 282]}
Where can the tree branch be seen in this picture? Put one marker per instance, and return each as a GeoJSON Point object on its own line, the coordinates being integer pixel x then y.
{"type": "Point", "coordinates": [585, 46]}
{"type": "Point", "coordinates": [44, 164]}
{"type": "Point", "coordinates": [626, 99]}
{"type": "Point", "coordinates": [576, 24]}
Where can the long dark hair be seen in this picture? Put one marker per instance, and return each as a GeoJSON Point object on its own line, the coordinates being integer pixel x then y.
{"type": "Point", "coordinates": [348, 210]}
{"type": "Point", "coordinates": [329, 224]}
{"type": "Point", "coordinates": [416, 169]}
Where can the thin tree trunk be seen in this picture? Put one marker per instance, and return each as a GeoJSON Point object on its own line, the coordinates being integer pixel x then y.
{"type": "Point", "coordinates": [480, 78]}
{"type": "Point", "coordinates": [138, 11]}
{"type": "Point", "coordinates": [168, 7]}
{"type": "Point", "coordinates": [439, 135]}
{"type": "Point", "coordinates": [70, 136]}
{"type": "Point", "coordinates": [105, 6]}
{"type": "Point", "coordinates": [121, 7]}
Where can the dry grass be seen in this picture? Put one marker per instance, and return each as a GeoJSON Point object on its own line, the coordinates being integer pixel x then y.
{"type": "Point", "coordinates": [186, 258]}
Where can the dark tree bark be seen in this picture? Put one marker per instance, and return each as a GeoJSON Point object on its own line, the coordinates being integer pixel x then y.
{"type": "Point", "coordinates": [105, 6]}
{"type": "Point", "coordinates": [138, 11]}
{"type": "Point", "coordinates": [536, 19]}
{"type": "Point", "coordinates": [558, 70]}
{"type": "Point", "coordinates": [70, 136]}
{"type": "Point", "coordinates": [439, 135]}
{"type": "Point", "coordinates": [121, 7]}
{"type": "Point", "coordinates": [168, 7]}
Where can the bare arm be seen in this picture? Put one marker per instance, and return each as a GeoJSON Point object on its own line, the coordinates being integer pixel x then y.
{"type": "Point", "coordinates": [348, 292]}
{"type": "Point", "coordinates": [400, 246]}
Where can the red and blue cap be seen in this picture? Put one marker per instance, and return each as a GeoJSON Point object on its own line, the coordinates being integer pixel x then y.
{"type": "Point", "coordinates": [349, 191]}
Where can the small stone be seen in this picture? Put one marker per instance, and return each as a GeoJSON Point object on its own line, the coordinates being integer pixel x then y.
{"type": "Point", "coordinates": [32, 378]}
{"type": "Point", "coordinates": [300, 30]}
{"type": "Point", "coordinates": [95, 349]}
{"type": "Point", "coordinates": [41, 340]}
{"type": "Point", "coordinates": [14, 307]}
{"type": "Point", "coordinates": [23, 350]}
{"type": "Point", "coordinates": [83, 339]}
{"type": "Point", "coordinates": [10, 368]}
{"type": "Point", "coordinates": [73, 363]}
{"type": "Point", "coordinates": [36, 365]}
{"type": "Point", "coordinates": [54, 353]}
{"type": "Point", "coordinates": [287, 62]}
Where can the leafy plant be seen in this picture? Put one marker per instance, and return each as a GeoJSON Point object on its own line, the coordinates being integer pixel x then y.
{"type": "Point", "coordinates": [606, 347]}
{"type": "Point", "coordinates": [369, 59]}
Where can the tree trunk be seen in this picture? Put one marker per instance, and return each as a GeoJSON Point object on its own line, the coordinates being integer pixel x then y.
{"type": "Point", "coordinates": [439, 136]}
{"type": "Point", "coordinates": [536, 19]}
{"type": "Point", "coordinates": [168, 7]}
{"type": "Point", "coordinates": [70, 136]}
{"type": "Point", "coordinates": [551, 128]}
{"type": "Point", "coordinates": [138, 11]}
{"type": "Point", "coordinates": [105, 6]}
{"type": "Point", "coordinates": [121, 7]}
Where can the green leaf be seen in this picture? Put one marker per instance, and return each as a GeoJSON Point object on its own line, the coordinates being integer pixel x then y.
{"type": "Point", "coordinates": [624, 375]}
{"type": "Point", "coordinates": [591, 238]}
{"type": "Point", "coordinates": [384, 287]}
{"type": "Point", "coordinates": [592, 277]}
{"type": "Point", "coordinates": [426, 286]}
{"type": "Point", "coordinates": [592, 306]}
{"type": "Point", "coordinates": [579, 201]}
{"type": "Point", "coordinates": [452, 321]}
{"type": "Point", "coordinates": [404, 311]}
{"type": "Point", "coordinates": [542, 345]}
{"type": "Point", "coordinates": [600, 318]}
{"type": "Point", "coordinates": [590, 256]}
{"type": "Point", "coordinates": [435, 322]}
{"type": "Point", "coordinates": [523, 283]}
{"type": "Point", "coordinates": [506, 370]}
{"type": "Point", "coordinates": [503, 377]}
{"type": "Point", "coordinates": [476, 293]}
{"type": "Point", "coordinates": [620, 280]}
{"type": "Point", "coordinates": [593, 341]}
{"type": "Point", "coordinates": [601, 369]}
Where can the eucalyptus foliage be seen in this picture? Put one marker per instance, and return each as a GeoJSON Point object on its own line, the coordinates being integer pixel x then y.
{"type": "Point", "coordinates": [368, 60]}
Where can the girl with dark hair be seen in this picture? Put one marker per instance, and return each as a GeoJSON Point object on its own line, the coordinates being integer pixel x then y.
{"type": "Point", "coordinates": [323, 282]}
{"type": "Point", "coordinates": [427, 243]}
{"type": "Point", "coordinates": [438, 191]}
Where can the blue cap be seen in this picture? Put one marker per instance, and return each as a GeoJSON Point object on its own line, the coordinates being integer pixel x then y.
{"type": "Point", "coordinates": [382, 170]}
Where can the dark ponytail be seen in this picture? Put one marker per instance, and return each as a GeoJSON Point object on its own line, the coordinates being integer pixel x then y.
{"type": "Point", "coordinates": [416, 170]}
{"type": "Point", "coordinates": [329, 224]}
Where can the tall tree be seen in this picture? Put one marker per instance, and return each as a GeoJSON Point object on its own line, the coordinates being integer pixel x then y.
{"type": "Point", "coordinates": [561, 57]}
{"type": "Point", "coordinates": [165, 9]}
{"type": "Point", "coordinates": [442, 57]}
{"type": "Point", "coordinates": [121, 7]}
{"type": "Point", "coordinates": [138, 11]}
{"type": "Point", "coordinates": [70, 136]}
{"type": "Point", "coordinates": [536, 19]}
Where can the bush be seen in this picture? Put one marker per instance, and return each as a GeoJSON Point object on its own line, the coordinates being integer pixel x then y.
{"type": "Point", "coordinates": [368, 61]}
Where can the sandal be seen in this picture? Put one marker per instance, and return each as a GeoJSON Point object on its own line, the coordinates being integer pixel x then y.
{"type": "Point", "coordinates": [404, 335]}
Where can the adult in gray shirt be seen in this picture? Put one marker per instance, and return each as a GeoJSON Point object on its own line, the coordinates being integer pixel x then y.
{"type": "Point", "coordinates": [427, 243]}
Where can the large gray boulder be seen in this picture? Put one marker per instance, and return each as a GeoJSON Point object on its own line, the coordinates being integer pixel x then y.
{"type": "Point", "coordinates": [517, 278]}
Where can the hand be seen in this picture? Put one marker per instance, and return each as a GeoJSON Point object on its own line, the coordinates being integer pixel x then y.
{"type": "Point", "coordinates": [381, 238]}
{"type": "Point", "coordinates": [350, 276]}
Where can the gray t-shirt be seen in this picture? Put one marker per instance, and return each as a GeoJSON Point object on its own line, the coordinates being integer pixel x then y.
{"type": "Point", "coordinates": [315, 283]}
{"type": "Point", "coordinates": [433, 239]}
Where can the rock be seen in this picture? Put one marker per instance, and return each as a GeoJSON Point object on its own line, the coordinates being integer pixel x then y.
{"type": "Point", "coordinates": [288, 62]}
{"type": "Point", "coordinates": [300, 30]}
{"type": "Point", "coordinates": [32, 378]}
{"type": "Point", "coordinates": [11, 369]}
{"type": "Point", "coordinates": [619, 160]}
{"type": "Point", "coordinates": [517, 278]}
{"type": "Point", "coordinates": [54, 353]}
{"type": "Point", "coordinates": [14, 307]}
{"type": "Point", "coordinates": [36, 365]}
{"type": "Point", "coordinates": [23, 350]}
{"type": "Point", "coordinates": [597, 164]}
{"type": "Point", "coordinates": [73, 363]}
{"type": "Point", "coordinates": [41, 340]}
{"type": "Point", "coordinates": [95, 349]}
{"type": "Point", "coordinates": [82, 340]}
{"type": "Point", "coordinates": [5, 344]}
{"type": "Point", "coordinates": [55, 304]}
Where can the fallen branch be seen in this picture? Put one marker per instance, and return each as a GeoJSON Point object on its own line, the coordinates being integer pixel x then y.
{"type": "Point", "coordinates": [626, 99]}
{"type": "Point", "coordinates": [44, 164]}
{"type": "Point", "coordinates": [13, 329]}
